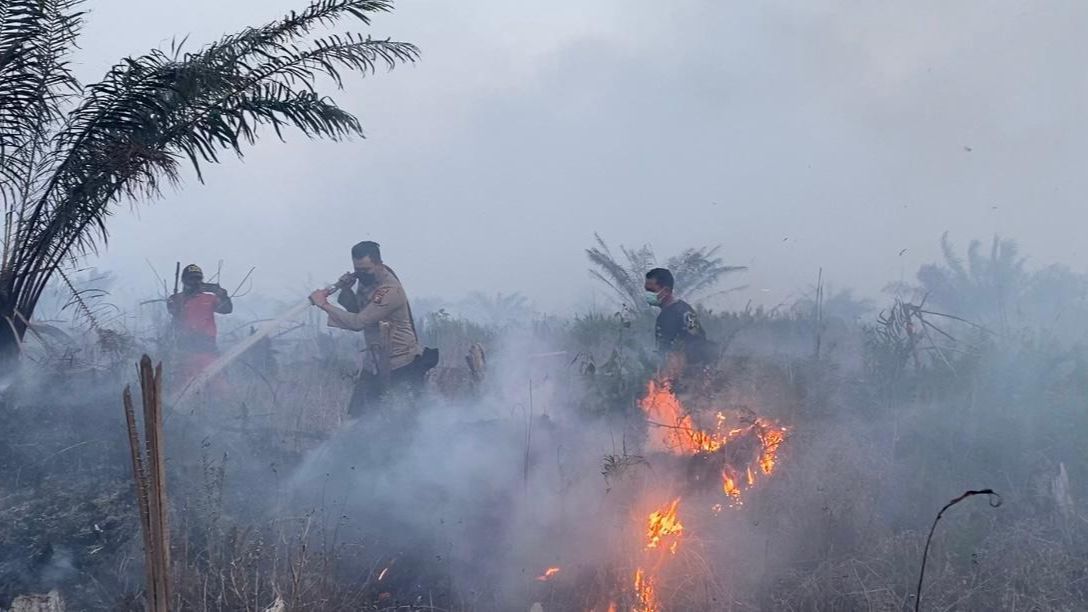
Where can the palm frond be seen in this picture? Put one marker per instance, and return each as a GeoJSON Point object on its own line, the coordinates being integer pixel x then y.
{"type": "Point", "coordinates": [35, 79]}
{"type": "Point", "coordinates": [699, 269]}
{"type": "Point", "coordinates": [612, 274]}
{"type": "Point", "coordinates": [151, 112]}
{"type": "Point", "coordinates": [267, 41]}
{"type": "Point", "coordinates": [696, 270]}
{"type": "Point", "coordinates": [983, 287]}
{"type": "Point", "coordinates": [953, 261]}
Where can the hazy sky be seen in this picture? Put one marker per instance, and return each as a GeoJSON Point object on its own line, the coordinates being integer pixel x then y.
{"type": "Point", "coordinates": [795, 134]}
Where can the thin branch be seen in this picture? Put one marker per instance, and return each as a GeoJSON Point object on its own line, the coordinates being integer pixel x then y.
{"type": "Point", "coordinates": [994, 500]}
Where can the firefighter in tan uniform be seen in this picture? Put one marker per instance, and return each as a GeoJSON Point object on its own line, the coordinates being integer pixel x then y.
{"type": "Point", "coordinates": [379, 308]}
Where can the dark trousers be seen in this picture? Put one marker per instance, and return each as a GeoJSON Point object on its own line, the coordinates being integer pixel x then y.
{"type": "Point", "coordinates": [405, 384]}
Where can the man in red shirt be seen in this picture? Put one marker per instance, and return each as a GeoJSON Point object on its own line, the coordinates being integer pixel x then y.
{"type": "Point", "coordinates": [194, 310]}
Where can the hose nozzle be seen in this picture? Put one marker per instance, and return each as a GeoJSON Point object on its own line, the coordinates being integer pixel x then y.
{"type": "Point", "coordinates": [333, 288]}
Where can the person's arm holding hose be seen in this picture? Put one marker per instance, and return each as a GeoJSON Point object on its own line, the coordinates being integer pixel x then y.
{"type": "Point", "coordinates": [386, 299]}
{"type": "Point", "coordinates": [347, 297]}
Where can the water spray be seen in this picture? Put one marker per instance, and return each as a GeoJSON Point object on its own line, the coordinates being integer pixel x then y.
{"type": "Point", "coordinates": [265, 328]}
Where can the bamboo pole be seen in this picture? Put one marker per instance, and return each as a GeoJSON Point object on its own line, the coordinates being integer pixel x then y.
{"type": "Point", "coordinates": [139, 475]}
{"type": "Point", "coordinates": [149, 473]}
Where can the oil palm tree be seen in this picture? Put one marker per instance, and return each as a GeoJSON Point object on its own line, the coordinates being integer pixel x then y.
{"type": "Point", "coordinates": [983, 287]}
{"type": "Point", "coordinates": [697, 270]}
{"type": "Point", "coordinates": [69, 154]}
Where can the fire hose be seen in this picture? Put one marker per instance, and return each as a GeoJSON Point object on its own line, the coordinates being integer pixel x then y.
{"type": "Point", "coordinates": [267, 327]}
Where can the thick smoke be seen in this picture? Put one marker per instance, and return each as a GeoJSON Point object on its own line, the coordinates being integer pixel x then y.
{"type": "Point", "coordinates": [499, 488]}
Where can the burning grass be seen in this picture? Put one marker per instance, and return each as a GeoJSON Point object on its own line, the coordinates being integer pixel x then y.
{"type": "Point", "coordinates": [742, 451]}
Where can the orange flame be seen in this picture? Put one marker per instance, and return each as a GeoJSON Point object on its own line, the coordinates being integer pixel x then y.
{"type": "Point", "coordinates": [644, 590]}
{"type": "Point", "coordinates": [548, 573]}
{"type": "Point", "coordinates": [772, 438]}
{"type": "Point", "coordinates": [663, 524]}
{"type": "Point", "coordinates": [675, 431]}
{"type": "Point", "coordinates": [662, 533]}
{"type": "Point", "coordinates": [729, 486]}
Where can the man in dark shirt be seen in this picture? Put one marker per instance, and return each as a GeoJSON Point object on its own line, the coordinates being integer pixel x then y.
{"type": "Point", "coordinates": [681, 340]}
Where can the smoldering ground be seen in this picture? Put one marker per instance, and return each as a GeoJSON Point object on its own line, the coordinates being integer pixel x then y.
{"type": "Point", "coordinates": [492, 491]}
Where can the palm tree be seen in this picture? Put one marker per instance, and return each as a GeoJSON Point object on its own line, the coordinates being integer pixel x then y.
{"type": "Point", "coordinates": [982, 287]}
{"type": "Point", "coordinates": [69, 155]}
{"type": "Point", "coordinates": [696, 270]}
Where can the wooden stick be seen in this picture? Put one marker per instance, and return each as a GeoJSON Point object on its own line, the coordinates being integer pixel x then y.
{"type": "Point", "coordinates": [150, 381]}
{"type": "Point", "coordinates": [138, 475]}
{"type": "Point", "coordinates": [244, 279]}
{"type": "Point", "coordinates": [819, 310]}
{"type": "Point", "coordinates": [153, 525]}
{"type": "Point", "coordinates": [149, 473]}
{"type": "Point", "coordinates": [162, 479]}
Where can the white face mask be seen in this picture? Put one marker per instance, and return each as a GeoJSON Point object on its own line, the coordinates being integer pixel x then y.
{"type": "Point", "coordinates": [653, 299]}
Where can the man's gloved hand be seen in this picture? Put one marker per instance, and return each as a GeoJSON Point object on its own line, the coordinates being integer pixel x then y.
{"type": "Point", "coordinates": [214, 288]}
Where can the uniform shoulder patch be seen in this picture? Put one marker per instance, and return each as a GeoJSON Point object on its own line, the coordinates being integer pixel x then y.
{"type": "Point", "coordinates": [379, 294]}
{"type": "Point", "coordinates": [691, 320]}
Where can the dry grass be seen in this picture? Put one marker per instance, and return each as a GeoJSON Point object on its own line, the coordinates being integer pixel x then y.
{"type": "Point", "coordinates": [840, 527]}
